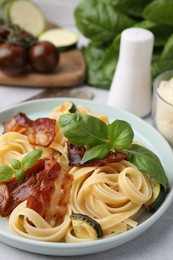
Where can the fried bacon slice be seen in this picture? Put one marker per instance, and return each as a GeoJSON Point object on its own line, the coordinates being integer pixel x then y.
{"type": "Point", "coordinates": [51, 196]}
{"type": "Point", "coordinates": [75, 154]}
{"type": "Point", "coordinates": [40, 131]}
{"type": "Point", "coordinates": [46, 188]}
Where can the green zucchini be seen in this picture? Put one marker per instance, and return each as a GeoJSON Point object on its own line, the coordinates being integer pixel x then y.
{"type": "Point", "coordinates": [63, 39]}
{"type": "Point", "coordinates": [27, 15]}
{"type": "Point", "coordinates": [67, 107]}
{"type": "Point", "coordinates": [86, 227]}
{"type": "Point", "coordinates": [158, 196]}
{"type": "Point", "coordinates": [5, 5]}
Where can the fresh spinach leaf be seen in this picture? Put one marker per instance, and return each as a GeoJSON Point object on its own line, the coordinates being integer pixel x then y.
{"type": "Point", "coordinates": [159, 11]}
{"type": "Point", "coordinates": [97, 152]}
{"type": "Point", "coordinates": [148, 162]}
{"type": "Point", "coordinates": [120, 134]}
{"type": "Point", "coordinates": [83, 129]}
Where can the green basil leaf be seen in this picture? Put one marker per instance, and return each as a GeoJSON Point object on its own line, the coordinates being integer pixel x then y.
{"type": "Point", "coordinates": [31, 158]}
{"type": "Point", "coordinates": [159, 11]}
{"type": "Point", "coordinates": [20, 174]}
{"type": "Point", "coordinates": [97, 152]}
{"type": "Point", "coordinates": [83, 129]}
{"type": "Point", "coordinates": [148, 162]}
{"type": "Point", "coordinates": [120, 134]}
{"type": "Point", "coordinates": [16, 164]}
{"type": "Point", "coordinates": [168, 49]}
{"type": "Point", "coordinates": [101, 63]}
{"type": "Point", "coordinates": [161, 32]}
{"type": "Point", "coordinates": [6, 173]}
{"type": "Point", "coordinates": [132, 7]}
{"type": "Point", "coordinates": [100, 21]}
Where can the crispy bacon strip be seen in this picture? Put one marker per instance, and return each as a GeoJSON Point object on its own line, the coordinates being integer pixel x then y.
{"type": "Point", "coordinates": [51, 196]}
{"type": "Point", "coordinates": [46, 188]}
{"type": "Point", "coordinates": [40, 131]}
{"type": "Point", "coordinates": [75, 154]}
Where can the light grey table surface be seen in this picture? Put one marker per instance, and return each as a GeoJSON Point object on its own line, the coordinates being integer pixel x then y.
{"type": "Point", "coordinates": [154, 244]}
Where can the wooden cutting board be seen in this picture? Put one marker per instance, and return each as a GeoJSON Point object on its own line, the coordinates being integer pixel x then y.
{"type": "Point", "coordinates": [70, 71]}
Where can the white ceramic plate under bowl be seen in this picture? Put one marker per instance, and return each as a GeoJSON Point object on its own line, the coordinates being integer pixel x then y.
{"type": "Point", "coordinates": [143, 133]}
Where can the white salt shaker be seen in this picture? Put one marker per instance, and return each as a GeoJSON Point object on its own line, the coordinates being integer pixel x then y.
{"type": "Point", "coordinates": [131, 86]}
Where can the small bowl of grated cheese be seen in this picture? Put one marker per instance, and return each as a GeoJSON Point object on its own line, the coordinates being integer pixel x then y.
{"type": "Point", "coordinates": [162, 107]}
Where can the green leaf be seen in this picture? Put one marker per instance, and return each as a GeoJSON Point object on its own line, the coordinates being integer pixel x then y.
{"type": "Point", "coordinates": [101, 63]}
{"type": "Point", "coordinates": [120, 134]}
{"type": "Point", "coordinates": [100, 21]}
{"type": "Point", "coordinates": [160, 11]}
{"type": "Point", "coordinates": [31, 158]}
{"type": "Point", "coordinates": [6, 173]}
{"type": "Point", "coordinates": [168, 49]}
{"type": "Point", "coordinates": [16, 164]}
{"type": "Point", "coordinates": [20, 174]}
{"type": "Point", "coordinates": [147, 162]}
{"type": "Point", "coordinates": [132, 7]}
{"type": "Point", "coordinates": [96, 152]}
{"type": "Point", "coordinates": [161, 32]}
{"type": "Point", "coordinates": [109, 62]}
{"type": "Point", "coordinates": [162, 65]}
{"type": "Point", "coordinates": [83, 129]}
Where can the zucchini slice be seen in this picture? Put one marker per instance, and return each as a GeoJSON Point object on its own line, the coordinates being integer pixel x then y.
{"type": "Point", "coordinates": [66, 107]}
{"type": "Point", "coordinates": [5, 6]}
{"type": "Point", "coordinates": [27, 15]}
{"type": "Point", "coordinates": [86, 227]}
{"type": "Point", "coordinates": [63, 39]}
{"type": "Point", "coordinates": [158, 196]}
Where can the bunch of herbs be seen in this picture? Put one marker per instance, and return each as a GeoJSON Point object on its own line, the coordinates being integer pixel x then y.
{"type": "Point", "coordinates": [102, 22]}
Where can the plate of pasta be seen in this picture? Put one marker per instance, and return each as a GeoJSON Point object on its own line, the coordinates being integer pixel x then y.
{"type": "Point", "coordinates": [77, 177]}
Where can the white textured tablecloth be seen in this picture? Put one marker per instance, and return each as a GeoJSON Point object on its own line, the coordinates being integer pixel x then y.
{"type": "Point", "coordinates": [157, 242]}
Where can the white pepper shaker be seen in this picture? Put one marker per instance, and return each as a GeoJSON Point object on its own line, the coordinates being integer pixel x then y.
{"type": "Point", "coordinates": [131, 86]}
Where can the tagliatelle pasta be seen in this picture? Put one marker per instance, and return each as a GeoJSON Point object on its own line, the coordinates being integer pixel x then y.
{"type": "Point", "coordinates": [112, 195]}
{"type": "Point", "coordinates": [13, 145]}
{"type": "Point", "coordinates": [98, 192]}
{"type": "Point", "coordinates": [41, 230]}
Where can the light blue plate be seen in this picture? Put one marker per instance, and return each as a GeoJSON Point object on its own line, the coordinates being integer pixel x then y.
{"type": "Point", "coordinates": [143, 133]}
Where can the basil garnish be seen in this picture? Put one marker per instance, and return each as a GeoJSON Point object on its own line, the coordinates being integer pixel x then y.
{"type": "Point", "coordinates": [97, 152]}
{"type": "Point", "coordinates": [147, 162]}
{"type": "Point", "coordinates": [17, 168]}
{"type": "Point", "coordinates": [6, 173]}
{"type": "Point", "coordinates": [31, 158]}
{"type": "Point", "coordinates": [101, 138]}
{"type": "Point", "coordinates": [120, 134]}
{"type": "Point", "coordinates": [83, 129]}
